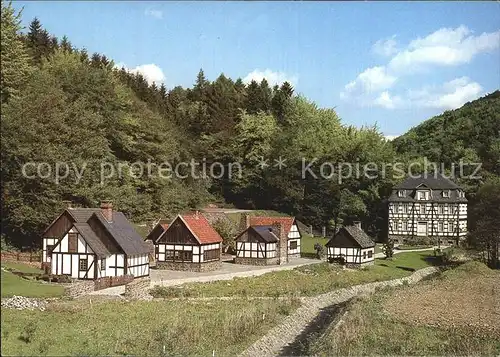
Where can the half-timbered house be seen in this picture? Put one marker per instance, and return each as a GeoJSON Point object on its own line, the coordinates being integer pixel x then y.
{"type": "Point", "coordinates": [90, 243]}
{"type": "Point", "coordinates": [289, 225]}
{"type": "Point", "coordinates": [260, 245]}
{"type": "Point", "coordinates": [351, 246]}
{"type": "Point", "coordinates": [189, 243]}
{"type": "Point", "coordinates": [430, 209]}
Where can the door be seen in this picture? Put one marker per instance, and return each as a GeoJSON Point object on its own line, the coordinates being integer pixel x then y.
{"type": "Point", "coordinates": [422, 228]}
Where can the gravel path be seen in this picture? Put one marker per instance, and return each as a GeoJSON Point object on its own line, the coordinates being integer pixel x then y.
{"type": "Point", "coordinates": [280, 337]}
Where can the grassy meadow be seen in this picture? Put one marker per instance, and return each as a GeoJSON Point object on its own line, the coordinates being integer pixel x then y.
{"type": "Point", "coordinates": [15, 285]}
{"type": "Point", "coordinates": [455, 314]}
{"type": "Point", "coordinates": [307, 280]}
{"type": "Point", "coordinates": [158, 328]}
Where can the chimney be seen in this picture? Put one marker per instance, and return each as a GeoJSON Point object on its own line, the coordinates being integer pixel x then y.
{"type": "Point", "coordinates": [357, 224]}
{"type": "Point", "coordinates": [282, 246]}
{"type": "Point", "coordinates": [196, 214]}
{"type": "Point", "coordinates": [68, 204]}
{"type": "Point", "coordinates": [244, 222]}
{"type": "Point", "coordinates": [107, 210]}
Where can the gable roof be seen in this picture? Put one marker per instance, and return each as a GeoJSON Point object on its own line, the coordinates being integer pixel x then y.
{"type": "Point", "coordinates": [122, 232]}
{"type": "Point", "coordinates": [356, 234]}
{"type": "Point", "coordinates": [266, 233]}
{"type": "Point", "coordinates": [92, 240]}
{"type": "Point", "coordinates": [287, 222]}
{"type": "Point", "coordinates": [432, 181]}
{"type": "Point", "coordinates": [199, 226]}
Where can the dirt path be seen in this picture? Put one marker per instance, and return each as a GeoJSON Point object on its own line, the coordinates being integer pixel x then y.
{"type": "Point", "coordinates": [281, 339]}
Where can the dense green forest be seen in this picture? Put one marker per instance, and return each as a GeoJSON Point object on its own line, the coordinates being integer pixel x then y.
{"type": "Point", "coordinates": [61, 104]}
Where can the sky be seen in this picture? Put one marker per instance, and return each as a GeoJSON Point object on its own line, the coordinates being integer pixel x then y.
{"type": "Point", "coordinates": [393, 64]}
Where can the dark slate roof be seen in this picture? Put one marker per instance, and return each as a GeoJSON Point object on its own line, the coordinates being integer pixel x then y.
{"type": "Point", "coordinates": [124, 234]}
{"type": "Point", "coordinates": [357, 234]}
{"type": "Point", "coordinates": [432, 181]}
{"type": "Point", "coordinates": [82, 215]}
{"type": "Point", "coordinates": [437, 183]}
{"type": "Point", "coordinates": [266, 232]}
{"type": "Point", "coordinates": [92, 240]}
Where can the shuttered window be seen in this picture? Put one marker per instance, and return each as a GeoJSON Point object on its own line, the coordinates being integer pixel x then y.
{"type": "Point", "coordinates": [72, 242]}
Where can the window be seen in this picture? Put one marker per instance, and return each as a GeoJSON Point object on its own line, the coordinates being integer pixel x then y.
{"type": "Point", "coordinates": [401, 193]}
{"type": "Point", "coordinates": [405, 207]}
{"type": "Point", "coordinates": [212, 254]}
{"type": "Point", "coordinates": [83, 266]}
{"type": "Point", "coordinates": [423, 195]}
{"type": "Point", "coordinates": [400, 208]}
{"type": "Point", "coordinates": [446, 194]}
{"type": "Point", "coordinates": [445, 226]}
{"type": "Point", "coordinates": [441, 209]}
{"type": "Point", "coordinates": [103, 264]}
{"type": "Point", "coordinates": [440, 226]}
{"type": "Point", "coordinates": [364, 254]}
{"type": "Point", "coordinates": [370, 253]}
{"type": "Point", "coordinates": [293, 244]}
{"type": "Point", "coordinates": [400, 225]}
{"type": "Point", "coordinates": [50, 248]}
{"type": "Point", "coordinates": [179, 255]}
{"type": "Point", "coordinates": [72, 242]}
{"type": "Point", "coordinates": [417, 208]}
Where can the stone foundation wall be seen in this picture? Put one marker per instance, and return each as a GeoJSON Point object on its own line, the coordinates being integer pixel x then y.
{"type": "Point", "coordinates": [185, 266]}
{"type": "Point", "coordinates": [256, 261]}
{"type": "Point", "coordinates": [79, 288]}
{"type": "Point", "coordinates": [359, 266]}
{"type": "Point", "coordinates": [109, 281]}
{"type": "Point", "coordinates": [138, 289]}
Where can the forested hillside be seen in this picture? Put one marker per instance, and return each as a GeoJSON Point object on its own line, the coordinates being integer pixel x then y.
{"type": "Point", "coordinates": [61, 104]}
{"type": "Point", "coordinates": [470, 133]}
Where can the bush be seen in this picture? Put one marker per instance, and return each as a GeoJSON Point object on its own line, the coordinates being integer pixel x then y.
{"type": "Point", "coordinates": [388, 248]}
{"type": "Point", "coordinates": [320, 250]}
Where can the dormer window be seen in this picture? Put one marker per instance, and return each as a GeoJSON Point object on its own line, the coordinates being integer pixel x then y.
{"type": "Point", "coordinates": [401, 193]}
{"type": "Point", "coordinates": [446, 194]}
{"type": "Point", "coordinates": [422, 195]}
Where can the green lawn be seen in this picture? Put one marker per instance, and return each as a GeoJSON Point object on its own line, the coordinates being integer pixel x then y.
{"type": "Point", "coordinates": [369, 329]}
{"type": "Point", "coordinates": [15, 285]}
{"type": "Point", "coordinates": [24, 268]}
{"type": "Point", "coordinates": [158, 328]}
{"type": "Point", "coordinates": [307, 244]}
{"type": "Point", "coordinates": [303, 281]}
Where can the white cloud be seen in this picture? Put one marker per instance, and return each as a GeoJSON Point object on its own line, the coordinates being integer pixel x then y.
{"type": "Point", "coordinates": [151, 72]}
{"type": "Point", "coordinates": [444, 47]}
{"type": "Point", "coordinates": [371, 80]}
{"type": "Point", "coordinates": [450, 95]}
{"type": "Point", "coordinates": [385, 47]}
{"type": "Point", "coordinates": [390, 137]}
{"type": "Point", "coordinates": [385, 100]}
{"type": "Point", "coordinates": [272, 77]}
{"type": "Point", "coordinates": [157, 14]}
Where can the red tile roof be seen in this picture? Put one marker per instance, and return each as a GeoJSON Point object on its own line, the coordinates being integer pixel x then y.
{"type": "Point", "coordinates": [287, 222]}
{"type": "Point", "coordinates": [200, 227]}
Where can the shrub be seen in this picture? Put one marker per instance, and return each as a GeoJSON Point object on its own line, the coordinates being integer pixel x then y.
{"type": "Point", "coordinates": [388, 248]}
{"type": "Point", "coordinates": [320, 250]}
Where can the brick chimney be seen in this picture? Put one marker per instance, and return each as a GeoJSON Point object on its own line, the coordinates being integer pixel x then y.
{"type": "Point", "coordinates": [107, 210]}
{"type": "Point", "coordinates": [282, 246]}
{"type": "Point", "coordinates": [357, 224]}
{"type": "Point", "coordinates": [244, 222]}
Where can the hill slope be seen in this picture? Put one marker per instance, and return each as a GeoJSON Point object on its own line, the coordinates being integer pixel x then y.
{"type": "Point", "coordinates": [470, 133]}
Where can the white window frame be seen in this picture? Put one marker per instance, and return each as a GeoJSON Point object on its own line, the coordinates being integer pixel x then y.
{"type": "Point", "coordinates": [446, 194]}
{"type": "Point", "coordinates": [401, 193]}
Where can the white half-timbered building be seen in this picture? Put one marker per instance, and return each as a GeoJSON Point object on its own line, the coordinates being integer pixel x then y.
{"type": "Point", "coordinates": [259, 245]}
{"type": "Point", "coordinates": [189, 243]}
{"type": "Point", "coordinates": [289, 225]}
{"type": "Point", "coordinates": [432, 209]}
{"type": "Point", "coordinates": [351, 246]}
{"type": "Point", "coordinates": [90, 243]}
